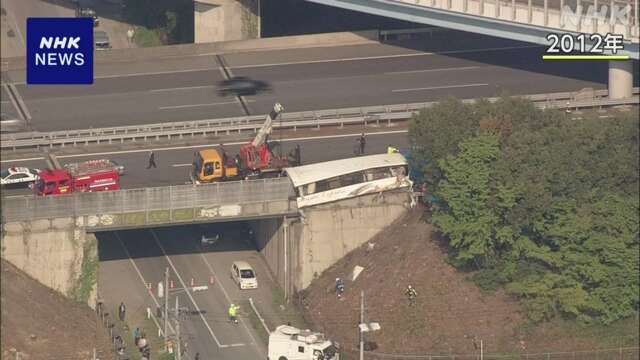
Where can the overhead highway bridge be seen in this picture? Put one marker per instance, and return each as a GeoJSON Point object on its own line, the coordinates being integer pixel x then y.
{"type": "Point", "coordinates": [523, 20]}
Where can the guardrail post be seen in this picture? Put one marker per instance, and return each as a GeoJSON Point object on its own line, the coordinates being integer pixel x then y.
{"type": "Point", "coordinates": [497, 9]}
{"type": "Point", "coordinates": [612, 19]}
{"type": "Point", "coordinates": [170, 203]}
{"type": "Point", "coordinates": [146, 206]}
{"type": "Point", "coordinates": [530, 12]}
{"type": "Point", "coordinates": [465, 5]}
{"type": "Point", "coordinates": [561, 14]}
{"type": "Point", "coordinates": [546, 12]}
{"type": "Point", "coordinates": [481, 8]}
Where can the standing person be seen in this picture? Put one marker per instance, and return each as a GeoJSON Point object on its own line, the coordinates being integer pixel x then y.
{"type": "Point", "coordinates": [136, 336]}
{"type": "Point", "coordinates": [233, 313]}
{"type": "Point", "coordinates": [152, 160]}
{"type": "Point", "coordinates": [362, 142]}
{"type": "Point", "coordinates": [130, 34]}
{"type": "Point", "coordinates": [121, 311]}
{"type": "Point", "coordinates": [339, 287]}
{"type": "Point", "coordinates": [411, 295]}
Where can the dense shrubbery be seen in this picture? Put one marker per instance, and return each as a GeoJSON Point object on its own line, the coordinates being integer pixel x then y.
{"type": "Point", "coordinates": [161, 22]}
{"type": "Point", "coordinates": [541, 204]}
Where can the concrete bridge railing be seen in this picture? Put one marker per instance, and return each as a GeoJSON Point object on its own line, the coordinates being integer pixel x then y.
{"type": "Point", "coordinates": [159, 205]}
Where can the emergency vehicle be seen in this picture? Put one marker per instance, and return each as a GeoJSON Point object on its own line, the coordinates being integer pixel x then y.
{"type": "Point", "coordinates": [290, 343]}
{"type": "Point", "coordinates": [255, 160]}
{"type": "Point", "coordinates": [89, 176]}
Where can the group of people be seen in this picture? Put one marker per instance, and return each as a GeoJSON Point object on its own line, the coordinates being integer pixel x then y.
{"type": "Point", "coordinates": [361, 143]}
{"type": "Point", "coordinates": [410, 292]}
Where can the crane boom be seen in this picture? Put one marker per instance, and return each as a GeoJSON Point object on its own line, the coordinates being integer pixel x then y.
{"type": "Point", "coordinates": [266, 128]}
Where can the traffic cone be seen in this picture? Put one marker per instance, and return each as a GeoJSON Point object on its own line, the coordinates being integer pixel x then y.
{"type": "Point", "coordinates": [192, 282]}
{"type": "Point", "coordinates": [211, 280]}
{"type": "Point", "coordinates": [171, 284]}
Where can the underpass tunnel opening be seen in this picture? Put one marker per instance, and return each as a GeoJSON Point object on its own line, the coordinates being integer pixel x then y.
{"type": "Point", "coordinates": [301, 17]}
{"type": "Point", "coordinates": [193, 238]}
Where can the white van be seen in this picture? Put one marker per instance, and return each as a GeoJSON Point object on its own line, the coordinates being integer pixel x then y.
{"type": "Point", "coordinates": [244, 275]}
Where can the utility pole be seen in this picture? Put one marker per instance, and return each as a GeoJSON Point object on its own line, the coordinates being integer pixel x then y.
{"type": "Point", "coordinates": [166, 303]}
{"type": "Point", "coordinates": [178, 341]}
{"type": "Point", "coordinates": [365, 327]}
{"type": "Point", "coordinates": [361, 322]}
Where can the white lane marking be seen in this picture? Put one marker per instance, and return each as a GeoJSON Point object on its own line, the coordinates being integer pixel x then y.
{"type": "Point", "coordinates": [17, 29]}
{"type": "Point", "coordinates": [195, 105]}
{"type": "Point", "coordinates": [431, 70]}
{"type": "Point", "coordinates": [382, 57]}
{"type": "Point", "coordinates": [309, 62]}
{"type": "Point", "coordinates": [438, 87]}
{"type": "Point", "coordinates": [226, 295]}
{"type": "Point", "coordinates": [181, 165]}
{"type": "Point", "coordinates": [182, 88]}
{"type": "Point", "coordinates": [141, 277]}
{"type": "Point", "coordinates": [140, 74]}
{"type": "Point", "coordinates": [184, 285]}
{"type": "Point", "coordinates": [207, 145]}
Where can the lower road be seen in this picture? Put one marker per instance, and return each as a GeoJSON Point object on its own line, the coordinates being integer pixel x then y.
{"type": "Point", "coordinates": [185, 88]}
{"type": "Point", "coordinates": [131, 260]}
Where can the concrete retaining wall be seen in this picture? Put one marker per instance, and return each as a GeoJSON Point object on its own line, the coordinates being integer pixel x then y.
{"type": "Point", "coordinates": [226, 20]}
{"type": "Point", "coordinates": [330, 231]}
{"type": "Point", "coordinates": [270, 242]}
{"type": "Point", "coordinates": [52, 252]}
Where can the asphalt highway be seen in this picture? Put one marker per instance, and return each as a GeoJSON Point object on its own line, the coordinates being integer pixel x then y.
{"type": "Point", "coordinates": [178, 89]}
{"type": "Point", "coordinates": [174, 163]}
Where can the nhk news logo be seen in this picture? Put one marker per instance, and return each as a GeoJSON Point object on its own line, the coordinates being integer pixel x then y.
{"type": "Point", "coordinates": [60, 50]}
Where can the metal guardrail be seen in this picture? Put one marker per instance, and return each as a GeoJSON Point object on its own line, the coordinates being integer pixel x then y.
{"type": "Point", "coordinates": [333, 117]}
{"type": "Point", "coordinates": [158, 205]}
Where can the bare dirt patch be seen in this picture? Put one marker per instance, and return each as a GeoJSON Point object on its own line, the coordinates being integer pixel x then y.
{"type": "Point", "coordinates": [451, 315]}
{"type": "Point", "coordinates": [40, 323]}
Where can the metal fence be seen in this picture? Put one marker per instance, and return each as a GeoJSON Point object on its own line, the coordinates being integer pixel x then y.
{"type": "Point", "coordinates": [159, 204]}
{"type": "Point", "coordinates": [622, 353]}
{"type": "Point", "coordinates": [304, 119]}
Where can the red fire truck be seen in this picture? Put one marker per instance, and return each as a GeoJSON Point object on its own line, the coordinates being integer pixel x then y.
{"type": "Point", "coordinates": [89, 176]}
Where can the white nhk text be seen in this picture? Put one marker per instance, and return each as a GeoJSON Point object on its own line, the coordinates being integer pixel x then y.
{"type": "Point", "coordinates": [46, 58]}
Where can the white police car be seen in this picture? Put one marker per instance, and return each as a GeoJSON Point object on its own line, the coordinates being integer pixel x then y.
{"type": "Point", "coordinates": [18, 175]}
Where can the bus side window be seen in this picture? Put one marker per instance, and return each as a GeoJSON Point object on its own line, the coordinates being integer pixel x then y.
{"type": "Point", "coordinates": [208, 169]}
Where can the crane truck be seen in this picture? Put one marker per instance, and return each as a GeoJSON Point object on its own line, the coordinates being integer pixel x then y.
{"type": "Point", "coordinates": [290, 343]}
{"type": "Point", "coordinates": [255, 159]}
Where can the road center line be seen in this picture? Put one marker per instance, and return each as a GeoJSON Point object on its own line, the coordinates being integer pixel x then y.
{"type": "Point", "coordinates": [438, 87]}
{"type": "Point", "coordinates": [431, 70]}
{"type": "Point", "coordinates": [184, 286]}
{"type": "Point", "coordinates": [195, 105]}
{"type": "Point", "coordinates": [226, 295]}
{"type": "Point", "coordinates": [207, 145]}
{"type": "Point", "coordinates": [382, 57]}
{"type": "Point", "coordinates": [133, 263]}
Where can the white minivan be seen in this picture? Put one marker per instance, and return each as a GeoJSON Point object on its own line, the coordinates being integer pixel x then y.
{"type": "Point", "coordinates": [244, 275]}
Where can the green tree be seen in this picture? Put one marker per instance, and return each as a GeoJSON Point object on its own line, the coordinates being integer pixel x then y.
{"type": "Point", "coordinates": [472, 207]}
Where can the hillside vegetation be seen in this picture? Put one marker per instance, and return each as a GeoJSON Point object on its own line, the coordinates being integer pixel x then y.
{"type": "Point", "coordinates": [537, 203]}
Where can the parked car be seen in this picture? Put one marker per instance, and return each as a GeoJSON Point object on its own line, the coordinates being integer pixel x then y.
{"type": "Point", "coordinates": [242, 86]}
{"type": "Point", "coordinates": [18, 176]}
{"type": "Point", "coordinates": [101, 40]}
{"type": "Point", "coordinates": [244, 275]}
{"type": "Point", "coordinates": [87, 12]}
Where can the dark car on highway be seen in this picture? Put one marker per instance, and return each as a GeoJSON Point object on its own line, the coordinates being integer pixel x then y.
{"type": "Point", "coordinates": [242, 86]}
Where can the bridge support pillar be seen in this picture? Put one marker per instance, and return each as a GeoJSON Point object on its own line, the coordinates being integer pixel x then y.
{"type": "Point", "coordinates": [226, 20]}
{"type": "Point", "coordinates": [620, 79]}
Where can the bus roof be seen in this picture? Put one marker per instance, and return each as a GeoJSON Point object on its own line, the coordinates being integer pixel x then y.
{"type": "Point", "coordinates": [307, 174]}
